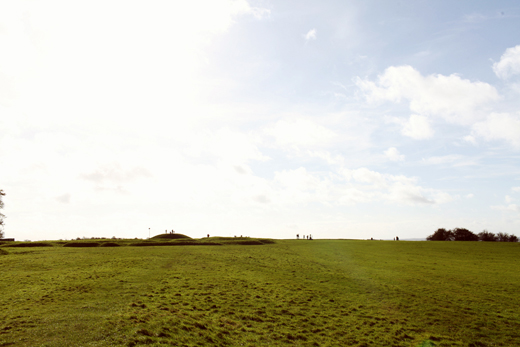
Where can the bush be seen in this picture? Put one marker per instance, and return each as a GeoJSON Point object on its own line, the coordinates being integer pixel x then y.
{"type": "Point", "coordinates": [441, 235]}
{"type": "Point", "coordinates": [81, 244]}
{"type": "Point", "coordinates": [462, 234]}
{"type": "Point", "coordinates": [504, 237]}
{"type": "Point", "coordinates": [487, 236]}
{"type": "Point", "coordinates": [513, 238]}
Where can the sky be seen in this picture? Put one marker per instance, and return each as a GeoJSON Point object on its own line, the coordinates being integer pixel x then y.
{"type": "Point", "coordinates": [341, 119]}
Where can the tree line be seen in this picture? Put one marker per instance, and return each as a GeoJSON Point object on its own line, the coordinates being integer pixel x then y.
{"type": "Point", "coordinates": [462, 234]}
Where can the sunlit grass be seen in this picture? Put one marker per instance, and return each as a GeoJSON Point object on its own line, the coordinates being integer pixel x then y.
{"type": "Point", "coordinates": [302, 293]}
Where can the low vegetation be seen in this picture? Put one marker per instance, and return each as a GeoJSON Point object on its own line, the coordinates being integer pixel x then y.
{"type": "Point", "coordinates": [294, 293]}
{"type": "Point", "coordinates": [461, 234]}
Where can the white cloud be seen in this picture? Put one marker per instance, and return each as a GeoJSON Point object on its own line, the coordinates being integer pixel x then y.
{"type": "Point", "coordinates": [451, 159]}
{"type": "Point", "coordinates": [450, 97]}
{"type": "Point", "coordinates": [470, 139]}
{"type": "Point", "coordinates": [241, 7]}
{"type": "Point", "coordinates": [364, 175]}
{"type": "Point", "coordinates": [232, 147]}
{"type": "Point", "coordinates": [393, 154]}
{"type": "Point", "coordinates": [328, 157]}
{"type": "Point", "coordinates": [65, 198]}
{"type": "Point", "coordinates": [510, 207]}
{"type": "Point", "coordinates": [300, 133]}
{"type": "Point", "coordinates": [470, 196]}
{"type": "Point", "coordinates": [516, 189]}
{"type": "Point", "coordinates": [311, 35]}
{"type": "Point", "coordinates": [417, 127]}
{"type": "Point", "coordinates": [474, 18]}
{"type": "Point", "coordinates": [508, 199]}
{"type": "Point", "coordinates": [499, 126]}
{"type": "Point", "coordinates": [372, 185]}
{"type": "Point", "coordinates": [348, 187]}
{"type": "Point", "coordinates": [509, 63]}
{"type": "Point", "coordinates": [114, 173]}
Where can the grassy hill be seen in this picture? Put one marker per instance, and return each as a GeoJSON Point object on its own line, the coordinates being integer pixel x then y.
{"type": "Point", "coordinates": [174, 236]}
{"type": "Point", "coordinates": [295, 293]}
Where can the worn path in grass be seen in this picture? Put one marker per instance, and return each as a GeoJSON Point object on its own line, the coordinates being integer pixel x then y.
{"type": "Point", "coordinates": [302, 293]}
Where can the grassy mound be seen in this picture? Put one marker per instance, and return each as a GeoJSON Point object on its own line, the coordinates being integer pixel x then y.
{"type": "Point", "coordinates": [81, 244]}
{"type": "Point", "coordinates": [181, 243]}
{"type": "Point", "coordinates": [110, 244]}
{"type": "Point", "coordinates": [3, 252]}
{"type": "Point", "coordinates": [29, 244]}
{"type": "Point", "coordinates": [171, 236]}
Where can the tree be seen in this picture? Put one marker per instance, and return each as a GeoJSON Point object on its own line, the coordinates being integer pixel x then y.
{"type": "Point", "coordinates": [1, 215]}
{"type": "Point", "coordinates": [462, 234]}
{"type": "Point", "coordinates": [487, 236]}
{"type": "Point", "coordinates": [513, 238]}
{"type": "Point", "coordinates": [502, 237]}
{"type": "Point", "coordinates": [441, 235]}
{"type": "Point", "coordinates": [505, 237]}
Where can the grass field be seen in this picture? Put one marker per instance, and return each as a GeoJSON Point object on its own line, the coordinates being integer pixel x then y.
{"type": "Point", "coordinates": [298, 293]}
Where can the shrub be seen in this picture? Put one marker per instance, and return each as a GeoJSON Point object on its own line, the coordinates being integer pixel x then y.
{"type": "Point", "coordinates": [81, 244]}
{"type": "Point", "coordinates": [504, 237]}
{"type": "Point", "coordinates": [487, 236]}
{"type": "Point", "coordinates": [462, 234]}
{"type": "Point", "coordinates": [513, 238]}
{"type": "Point", "coordinates": [441, 235]}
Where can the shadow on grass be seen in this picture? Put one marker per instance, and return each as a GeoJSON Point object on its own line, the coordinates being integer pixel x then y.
{"type": "Point", "coordinates": [81, 244]}
{"type": "Point", "coordinates": [30, 244]}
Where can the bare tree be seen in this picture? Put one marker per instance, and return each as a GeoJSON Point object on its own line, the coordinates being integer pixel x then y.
{"type": "Point", "coordinates": [1, 215]}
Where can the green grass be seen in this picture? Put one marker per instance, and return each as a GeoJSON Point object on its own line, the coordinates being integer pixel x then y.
{"type": "Point", "coordinates": [295, 293]}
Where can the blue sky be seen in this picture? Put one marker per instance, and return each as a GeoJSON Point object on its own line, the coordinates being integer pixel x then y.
{"type": "Point", "coordinates": [340, 119]}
